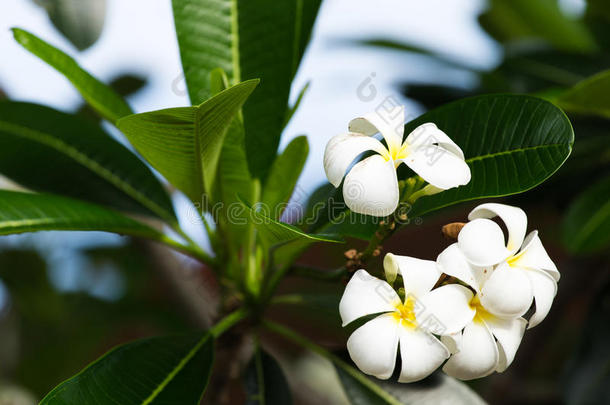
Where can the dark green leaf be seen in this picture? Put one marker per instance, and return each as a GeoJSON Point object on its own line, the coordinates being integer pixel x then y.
{"type": "Point", "coordinates": [184, 143]}
{"type": "Point", "coordinates": [247, 39]}
{"type": "Point", "coordinates": [100, 96]}
{"type": "Point", "coordinates": [81, 21]}
{"type": "Point", "coordinates": [436, 389]}
{"type": "Point", "coordinates": [542, 19]}
{"type": "Point", "coordinates": [47, 150]}
{"type": "Point", "coordinates": [265, 382]}
{"type": "Point", "coordinates": [590, 96]}
{"type": "Point", "coordinates": [169, 370]}
{"type": "Point", "coordinates": [25, 212]}
{"type": "Point", "coordinates": [283, 176]}
{"type": "Point", "coordinates": [586, 226]}
{"type": "Point", "coordinates": [511, 143]}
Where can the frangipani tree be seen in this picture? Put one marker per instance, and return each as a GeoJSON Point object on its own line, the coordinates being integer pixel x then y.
{"type": "Point", "coordinates": [221, 153]}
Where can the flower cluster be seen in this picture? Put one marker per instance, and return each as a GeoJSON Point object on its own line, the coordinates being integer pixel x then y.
{"type": "Point", "coordinates": [465, 309]}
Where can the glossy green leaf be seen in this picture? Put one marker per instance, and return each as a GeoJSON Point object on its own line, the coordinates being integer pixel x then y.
{"type": "Point", "coordinates": [265, 382]}
{"type": "Point", "coordinates": [47, 150]}
{"type": "Point", "coordinates": [184, 143]}
{"type": "Point", "coordinates": [586, 226]}
{"type": "Point", "coordinates": [283, 176]}
{"type": "Point", "coordinates": [247, 39]}
{"type": "Point", "coordinates": [100, 96]}
{"type": "Point", "coordinates": [81, 21]}
{"type": "Point", "coordinates": [438, 388]}
{"type": "Point", "coordinates": [511, 144]}
{"type": "Point", "coordinates": [542, 19]}
{"type": "Point", "coordinates": [168, 370]}
{"type": "Point", "coordinates": [272, 232]}
{"type": "Point", "coordinates": [590, 96]}
{"type": "Point", "coordinates": [26, 212]}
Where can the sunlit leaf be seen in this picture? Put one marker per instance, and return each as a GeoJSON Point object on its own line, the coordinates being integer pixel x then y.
{"type": "Point", "coordinates": [100, 96]}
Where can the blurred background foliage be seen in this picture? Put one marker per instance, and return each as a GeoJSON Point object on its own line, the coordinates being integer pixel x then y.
{"type": "Point", "coordinates": [48, 330]}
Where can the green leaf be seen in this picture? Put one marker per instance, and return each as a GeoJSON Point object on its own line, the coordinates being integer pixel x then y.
{"type": "Point", "coordinates": [184, 143]}
{"type": "Point", "coordinates": [542, 19]}
{"type": "Point", "coordinates": [81, 21]}
{"type": "Point", "coordinates": [168, 370]}
{"type": "Point", "coordinates": [273, 233]}
{"type": "Point", "coordinates": [586, 225]}
{"type": "Point", "coordinates": [100, 96]}
{"type": "Point", "coordinates": [265, 382]}
{"type": "Point", "coordinates": [511, 143]}
{"type": "Point", "coordinates": [434, 390]}
{"type": "Point", "coordinates": [283, 176]}
{"type": "Point", "coordinates": [589, 96]}
{"type": "Point", "coordinates": [47, 150]}
{"type": "Point", "coordinates": [247, 39]}
{"type": "Point", "coordinates": [25, 212]}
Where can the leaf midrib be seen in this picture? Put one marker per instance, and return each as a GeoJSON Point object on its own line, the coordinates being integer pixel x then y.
{"type": "Point", "coordinates": [83, 159]}
{"type": "Point", "coordinates": [183, 362]}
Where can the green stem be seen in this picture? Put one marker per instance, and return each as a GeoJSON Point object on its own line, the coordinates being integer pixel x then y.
{"type": "Point", "coordinates": [353, 372]}
{"type": "Point", "coordinates": [229, 321]}
{"type": "Point", "coordinates": [191, 250]}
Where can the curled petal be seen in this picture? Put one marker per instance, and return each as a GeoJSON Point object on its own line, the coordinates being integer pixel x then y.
{"type": "Point", "coordinates": [371, 187]}
{"type": "Point", "coordinates": [438, 166]}
{"type": "Point", "coordinates": [341, 151]}
{"type": "Point", "coordinates": [419, 276]}
{"type": "Point", "coordinates": [373, 346]}
{"type": "Point", "coordinates": [421, 354]}
{"type": "Point", "coordinates": [544, 288]}
{"type": "Point", "coordinates": [534, 256]}
{"type": "Point", "coordinates": [482, 242]}
{"type": "Point", "coordinates": [449, 305]}
{"type": "Point", "coordinates": [477, 354]}
{"type": "Point", "coordinates": [509, 333]}
{"type": "Point", "coordinates": [429, 134]}
{"type": "Point", "coordinates": [513, 217]}
{"type": "Point", "coordinates": [390, 123]}
{"type": "Point", "coordinates": [507, 292]}
{"type": "Point", "coordinates": [366, 295]}
{"type": "Point", "coordinates": [452, 262]}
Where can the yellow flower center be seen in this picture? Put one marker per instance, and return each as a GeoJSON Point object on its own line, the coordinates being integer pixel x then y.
{"type": "Point", "coordinates": [481, 312]}
{"type": "Point", "coordinates": [405, 313]}
{"type": "Point", "coordinates": [395, 153]}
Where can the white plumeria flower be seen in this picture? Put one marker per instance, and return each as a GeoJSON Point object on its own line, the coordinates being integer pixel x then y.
{"type": "Point", "coordinates": [411, 323]}
{"type": "Point", "coordinates": [371, 186]}
{"type": "Point", "coordinates": [488, 343]}
{"type": "Point", "coordinates": [523, 270]}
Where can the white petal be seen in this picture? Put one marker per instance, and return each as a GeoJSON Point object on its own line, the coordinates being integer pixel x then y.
{"type": "Point", "coordinates": [373, 346]}
{"type": "Point", "coordinates": [366, 295]}
{"type": "Point", "coordinates": [371, 187]}
{"type": "Point", "coordinates": [477, 356]}
{"type": "Point", "coordinates": [438, 166]}
{"type": "Point", "coordinates": [482, 242]}
{"type": "Point", "coordinates": [419, 276]}
{"type": "Point", "coordinates": [509, 333]}
{"type": "Point", "coordinates": [449, 308]}
{"type": "Point", "coordinates": [507, 292]}
{"type": "Point", "coordinates": [513, 217]}
{"type": "Point", "coordinates": [533, 256]}
{"type": "Point", "coordinates": [421, 354]}
{"type": "Point", "coordinates": [452, 262]}
{"type": "Point", "coordinates": [341, 151]}
{"type": "Point", "coordinates": [544, 288]}
{"type": "Point", "coordinates": [428, 134]}
{"type": "Point", "coordinates": [391, 124]}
